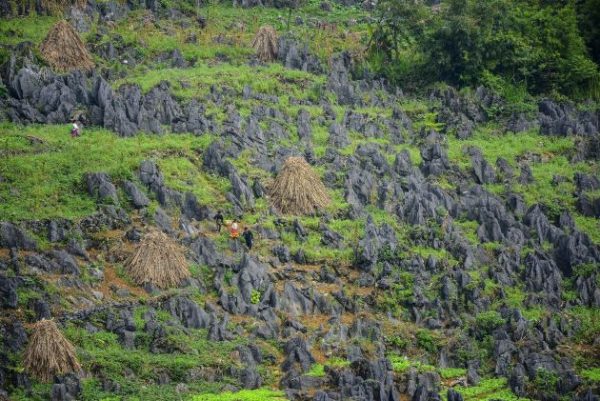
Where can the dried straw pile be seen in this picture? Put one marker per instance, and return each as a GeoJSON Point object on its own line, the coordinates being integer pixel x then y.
{"type": "Point", "coordinates": [265, 43]}
{"type": "Point", "coordinates": [298, 189]}
{"type": "Point", "coordinates": [64, 50]}
{"type": "Point", "coordinates": [158, 260]}
{"type": "Point", "coordinates": [49, 353]}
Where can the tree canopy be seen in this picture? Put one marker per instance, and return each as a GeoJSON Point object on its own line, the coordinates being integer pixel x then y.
{"type": "Point", "coordinates": [535, 44]}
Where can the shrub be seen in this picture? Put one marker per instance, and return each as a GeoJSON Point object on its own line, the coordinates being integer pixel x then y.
{"type": "Point", "coordinates": [427, 341]}
{"type": "Point", "coordinates": [488, 321]}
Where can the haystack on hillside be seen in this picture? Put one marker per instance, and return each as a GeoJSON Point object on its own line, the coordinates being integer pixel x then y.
{"type": "Point", "coordinates": [64, 50]}
{"type": "Point", "coordinates": [158, 260]}
{"type": "Point", "coordinates": [49, 353]}
{"type": "Point", "coordinates": [265, 43]}
{"type": "Point", "coordinates": [298, 189]}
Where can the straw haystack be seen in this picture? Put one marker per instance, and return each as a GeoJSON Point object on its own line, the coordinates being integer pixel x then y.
{"type": "Point", "coordinates": [158, 260]}
{"type": "Point", "coordinates": [265, 43]}
{"type": "Point", "coordinates": [298, 189]}
{"type": "Point", "coordinates": [49, 353]}
{"type": "Point", "coordinates": [64, 50]}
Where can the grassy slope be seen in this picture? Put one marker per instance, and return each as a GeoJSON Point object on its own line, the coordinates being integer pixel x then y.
{"type": "Point", "coordinates": [45, 181]}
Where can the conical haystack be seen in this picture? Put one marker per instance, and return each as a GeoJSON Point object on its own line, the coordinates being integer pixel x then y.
{"type": "Point", "coordinates": [158, 260]}
{"type": "Point", "coordinates": [64, 50]}
{"type": "Point", "coordinates": [298, 189]}
{"type": "Point", "coordinates": [49, 353]}
{"type": "Point", "coordinates": [265, 43]}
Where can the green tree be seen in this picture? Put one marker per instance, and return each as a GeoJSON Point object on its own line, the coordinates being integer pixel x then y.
{"type": "Point", "coordinates": [536, 44]}
{"type": "Point", "coordinates": [588, 17]}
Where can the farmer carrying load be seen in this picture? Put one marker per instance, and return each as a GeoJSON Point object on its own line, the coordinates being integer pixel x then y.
{"type": "Point", "coordinates": [234, 229]}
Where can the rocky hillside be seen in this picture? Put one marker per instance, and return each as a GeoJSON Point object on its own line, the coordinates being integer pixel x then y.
{"type": "Point", "coordinates": [459, 258]}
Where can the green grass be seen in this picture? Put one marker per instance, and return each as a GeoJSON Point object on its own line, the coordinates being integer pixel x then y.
{"type": "Point", "coordinates": [590, 226]}
{"type": "Point", "coordinates": [32, 28]}
{"type": "Point", "coordinates": [401, 364]}
{"type": "Point", "coordinates": [316, 370]}
{"type": "Point", "coordinates": [469, 230]}
{"type": "Point", "coordinates": [592, 374]}
{"type": "Point", "coordinates": [589, 323]}
{"type": "Point", "coordinates": [237, 26]}
{"type": "Point", "coordinates": [494, 144]}
{"type": "Point", "coordinates": [272, 79]}
{"type": "Point", "coordinates": [103, 351]}
{"type": "Point", "coordinates": [554, 153]}
{"type": "Point", "coordinates": [46, 181]}
{"type": "Point", "coordinates": [261, 394]}
{"type": "Point", "coordinates": [534, 314]}
{"type": "Point", "coordinates": [451, 373]}
{"type": "Point", "coordinates": [338, 362]}
{"type": "Point", "coordinates": [514, 297]}
{"type": "Point", "coordinates": [39, 392]}
{"type": "Point", "coordinates": [489, 389]}
{"type": "Point", "coordinates": [426, 252]}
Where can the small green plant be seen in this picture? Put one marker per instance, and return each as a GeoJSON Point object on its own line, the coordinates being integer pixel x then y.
{"type": "Point", "coordinates": [398, 342]}
{"type": "Point", "coordinates": [451, 373]}
{"type": "Point", "coordinates": [316, 370]}
{"type": "Point", "coordinates": [255, 297]}
{"type": "Point", "coordinates": [338, 362]}
{"type": "Point", "coordinates": [488, 321]}
{"type": "Point", "coordinates": [427, 341]}
{"type": "Point", "coordinates": [545, 381]}
{"type": "Point", "coordinates": [592, 374]}
{"type": "Point", "coordinates": [401, 364]}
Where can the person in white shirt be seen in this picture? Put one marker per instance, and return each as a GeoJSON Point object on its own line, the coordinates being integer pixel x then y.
{"type": "Point", "coordinates": [75, 130]}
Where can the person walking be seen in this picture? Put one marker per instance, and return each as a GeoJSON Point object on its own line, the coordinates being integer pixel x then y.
{"type": "Point", "coordinates": [219, 220]}
{"type": "Point", "coordinates": [75, 129]}
{"type": "Point", "coordinates": [234, 230]}
{"type": "Point", "coordinates": [248, 237]}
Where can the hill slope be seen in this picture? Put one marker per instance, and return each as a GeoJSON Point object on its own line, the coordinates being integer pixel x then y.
{"type": "Point", "coordinates": [459, 257]}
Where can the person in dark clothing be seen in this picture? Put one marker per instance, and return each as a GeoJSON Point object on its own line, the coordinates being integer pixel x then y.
{"type": "Point", "coordinates": [219, 220]}
{"type": "Point", "coordinates": [248, 237]}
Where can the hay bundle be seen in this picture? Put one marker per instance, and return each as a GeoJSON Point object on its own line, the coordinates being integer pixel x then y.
{"type": "Point", "coordinates": [298, 189]}
{"type": "Point", "coordinates": [49, 353]}
{"type": "Point", "coordinates": [158, 260]}
{"type": "Point", "coordinates": [64, 50]}
{"type": "Point", "coordinates": [265, 43]}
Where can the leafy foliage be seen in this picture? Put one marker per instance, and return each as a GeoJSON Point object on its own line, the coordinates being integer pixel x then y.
{"type": "Point", "coordinates": [523, 42]}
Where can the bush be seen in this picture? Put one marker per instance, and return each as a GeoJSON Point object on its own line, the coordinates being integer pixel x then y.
{"type": "Point", "coordinates": [398, 342]}
{"type": "Point", "coordinates": [488, 321]}
{"type": "Point", "coordinates": [427, 341]}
